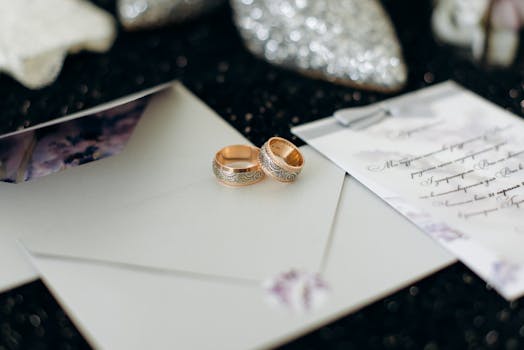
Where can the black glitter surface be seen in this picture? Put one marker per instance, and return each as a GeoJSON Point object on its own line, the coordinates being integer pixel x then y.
{"type": "Point", "coordinates": [451, 309]}
{"type": "Point", "coordinates": [31, 319]}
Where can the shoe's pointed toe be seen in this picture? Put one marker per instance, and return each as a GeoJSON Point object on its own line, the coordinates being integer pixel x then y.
{"type": "Point", "coordinates": [350, 42]}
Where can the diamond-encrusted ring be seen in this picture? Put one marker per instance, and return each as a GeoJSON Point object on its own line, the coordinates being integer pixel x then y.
{"type": "Point", "coordinates": [281, 159]}
{"type": "Point", "coordinates": [237, 165]}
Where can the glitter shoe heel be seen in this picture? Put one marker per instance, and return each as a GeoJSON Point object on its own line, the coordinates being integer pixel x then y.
{"type": "Point", "coordinates": [141, 14]}
{"type": "Point", "coordinates": [349, 42]}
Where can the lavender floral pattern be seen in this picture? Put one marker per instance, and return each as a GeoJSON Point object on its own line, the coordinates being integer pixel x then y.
{"type": "Point", "coordinates": [504, 273]}
{"type": "Point", "coordinates": [50, 149]}
{"type": "Point", "coordinates": [436, 229]}
{"type": "Point", "coordinates": [297, 290]}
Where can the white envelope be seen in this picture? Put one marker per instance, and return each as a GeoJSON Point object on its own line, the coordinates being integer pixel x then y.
{"type": "Point", "coordinates": [158, 205]}
{"type": "Point", "coordinates": [124, 308]}
{"type": "Point", "coordinates": [14, 267]}
{"type": "Point", "coordinates": [127, 293]}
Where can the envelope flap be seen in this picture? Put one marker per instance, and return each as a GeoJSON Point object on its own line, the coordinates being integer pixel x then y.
{"type": "Point", "coordinates": [158, 204]}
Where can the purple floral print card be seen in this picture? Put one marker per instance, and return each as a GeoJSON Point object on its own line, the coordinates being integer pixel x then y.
{"type": "Point", "coordinates": [70, 142]}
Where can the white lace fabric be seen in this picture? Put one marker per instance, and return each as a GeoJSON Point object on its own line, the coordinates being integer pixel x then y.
{"type": "Point", "coordinates": [36, 36]}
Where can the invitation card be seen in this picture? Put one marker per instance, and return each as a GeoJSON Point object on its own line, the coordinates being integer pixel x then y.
{"type": "Point", "coordinates": [448, 160]}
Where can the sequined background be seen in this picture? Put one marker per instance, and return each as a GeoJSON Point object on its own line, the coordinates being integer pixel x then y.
{"type": "Point", "coordinates": [451, 309]}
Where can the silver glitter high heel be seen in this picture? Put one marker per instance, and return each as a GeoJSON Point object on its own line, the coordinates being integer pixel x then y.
{"type": "Point", "coordinates": [351, 42]}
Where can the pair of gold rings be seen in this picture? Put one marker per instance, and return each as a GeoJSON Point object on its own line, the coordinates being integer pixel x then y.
{"type": "Point", "coordinates": [242, 165]}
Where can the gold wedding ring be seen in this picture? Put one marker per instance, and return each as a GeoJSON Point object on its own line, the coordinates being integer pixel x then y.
{"type": "Point", "coordinates": [281, 159]}
{"type": "Point", "coordinates": [237, 165]}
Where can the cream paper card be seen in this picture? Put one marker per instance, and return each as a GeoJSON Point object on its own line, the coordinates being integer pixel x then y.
{"type": "Point", "coordinates": [452, 163]}
{"type": "Point", "coordinates": [118, 307]}
{"type": "Point", "coordinates": [158, 205]}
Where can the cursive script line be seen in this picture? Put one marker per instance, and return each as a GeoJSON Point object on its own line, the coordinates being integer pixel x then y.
{"type": "Point", "coordinates": [447, 178]}
{"type": "Point", "coordinates": [476, 213]}
{"type": "Point", "coordinates": [459, 189]}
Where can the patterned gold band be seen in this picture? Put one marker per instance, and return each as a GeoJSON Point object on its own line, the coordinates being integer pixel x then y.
{"type": "Point", "coordinates": [237, 165]}
{"type": "Point", "coordinates": [281, 159]}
